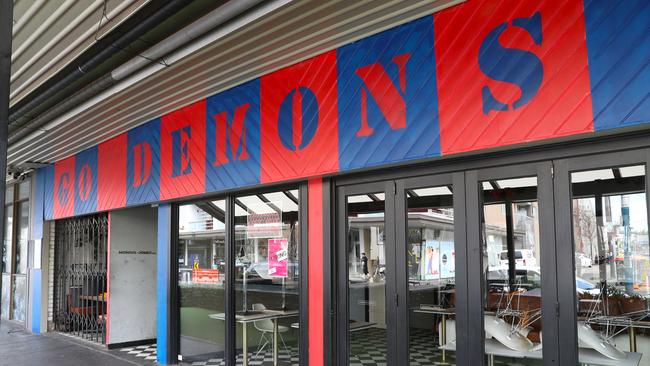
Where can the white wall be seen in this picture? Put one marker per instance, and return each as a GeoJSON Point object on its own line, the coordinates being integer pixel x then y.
{"type": "Point", "coordinates": [132, 288]}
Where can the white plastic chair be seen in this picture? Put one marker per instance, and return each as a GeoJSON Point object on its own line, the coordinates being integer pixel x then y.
{"type": "Point", "coordinates": [265, 327]}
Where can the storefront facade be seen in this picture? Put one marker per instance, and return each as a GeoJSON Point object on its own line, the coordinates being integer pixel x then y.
{"type": "Point", "coordinates": [463, 188]}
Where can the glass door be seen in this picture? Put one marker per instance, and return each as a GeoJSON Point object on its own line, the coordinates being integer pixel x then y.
{"type": "Point", "coordinates": [430, 238]}
{"type": "Point", "coordinates": [602, 219]}
{"type": "Point", "coordinates": [367, 299]}
{"type": "Point", "coordinates": [510, 238]}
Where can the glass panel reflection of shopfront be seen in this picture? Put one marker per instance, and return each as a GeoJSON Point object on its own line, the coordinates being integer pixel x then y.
{"type": "Point", "coordinates": [201, 274]}
{"type": "Point", "coordinates": [367, 275]}
{"type": "Point", "coordinates": [13, 303]}
{"type": "Point", "coordinates": [612, 263]}
{"type": "Point", "coordinates": [511, 272]}
{"type": "Point", "coordinates": [431, 256]}
{"type": "Point", "coordinates": [267, 278]}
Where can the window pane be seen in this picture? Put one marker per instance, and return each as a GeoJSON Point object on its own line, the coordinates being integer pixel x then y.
{"type": "Point", "coordinates": [267, 277]}
{"type": "Point", "coordinates": [511, 272]}
{"type": "Point", "coordinates": [6, 243]}
{"type": "Point", "coordinates": [201, 274]}
{"type": "Point", "coordinates": [9, 194]}
{"type": "Point", "coordinates": [366, 253]}
{"type": "Point", "coordinates": [23, 189]}
{"type": "Point", "coordinates": [21, 238]}
{"type": "Point", "coordinates": [612, 263]}
{"type": "Point", "coordinates": [19, 298]}
{"type": "Point", "coordinates": [4, 305]}
{"type": "Point", "coordinates": [431, 263]}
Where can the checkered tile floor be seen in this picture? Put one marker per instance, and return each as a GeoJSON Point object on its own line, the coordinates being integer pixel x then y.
{"type": "Point", "coordinates": [146, 353]}
{"type": "Point", "coordinates": [367, 348]}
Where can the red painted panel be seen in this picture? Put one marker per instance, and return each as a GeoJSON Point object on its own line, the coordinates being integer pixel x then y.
{"type": "Point", "coordinates": [315, 277]}
{"type": "Point", "coordinates": [479, 43]}
{"type": "Point", "coordinates": [182, 152]}
{"type": "Point", "coordinates": [64, 188]}
{"type": "Point", "coordinates": [111, 179]}
{"type": "Point", "coordinates": [299, 120]}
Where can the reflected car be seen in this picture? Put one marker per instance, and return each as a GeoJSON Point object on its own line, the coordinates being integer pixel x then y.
{"type": "Point", "coordinates": [582, 260]}
{"type": "Point", "coordinates": [532, 278]}
{"type": "Point", "coordinates": [524, 258]}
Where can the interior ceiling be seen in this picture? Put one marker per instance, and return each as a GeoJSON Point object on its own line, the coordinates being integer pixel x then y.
{"type": "Point", "coordinates": [48, 35]}
{"type": "Point", "coordinates": [294, 32]}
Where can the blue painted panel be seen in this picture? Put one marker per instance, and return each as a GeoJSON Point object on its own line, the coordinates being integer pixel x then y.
{"type": "Point", "coordinates": [143, 164]}
{"type": "Point", "coordinates": [389, 72]}
{"type": "Point", "coordinates": [48, 193]}
{"type": "Point", "coordinates": [38, 204]}
{"type": "Point", "coordinates": [162, 278]}
{"type": "Point", "coordinates": [85, 182]}
{"type": "Point", "coordinates": [35, 296]}
{"type": "Point", "coordinates": [618, 43]}
{"type": "Point", "coordinates": [233, 138]}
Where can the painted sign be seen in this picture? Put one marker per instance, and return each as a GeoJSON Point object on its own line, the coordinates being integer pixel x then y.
{"type": "Point", "coordinates": [278, 257]}
{"type": "Point", "coordinates": [478, 75]}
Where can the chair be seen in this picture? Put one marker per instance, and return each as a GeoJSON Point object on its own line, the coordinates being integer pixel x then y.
{"type": "Point", "coordinates": [265, 326]}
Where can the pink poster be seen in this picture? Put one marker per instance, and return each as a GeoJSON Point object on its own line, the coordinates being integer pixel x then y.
{"type": "Point", "coordinates": [278, 257]}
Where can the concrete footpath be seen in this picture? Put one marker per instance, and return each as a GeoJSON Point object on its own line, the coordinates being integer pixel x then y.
{"type": "Point", "coordinates": [21, 348]}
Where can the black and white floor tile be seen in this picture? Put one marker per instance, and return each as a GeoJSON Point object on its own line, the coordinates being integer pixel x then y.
{"type": "Point", "coordinates": [146, 353]}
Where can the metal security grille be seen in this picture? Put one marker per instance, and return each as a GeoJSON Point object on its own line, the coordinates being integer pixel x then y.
{"type": "Point", "coordinates": [80, 277]}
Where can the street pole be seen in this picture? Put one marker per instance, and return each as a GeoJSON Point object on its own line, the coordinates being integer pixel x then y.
{"type": "Point", "coordinates": [6, 23]}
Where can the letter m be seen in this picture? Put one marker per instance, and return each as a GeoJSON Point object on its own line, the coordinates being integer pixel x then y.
{"type": "Point", "coordinates": [233, 134]}
{"type": "Point", "coordinates": [388, 97]}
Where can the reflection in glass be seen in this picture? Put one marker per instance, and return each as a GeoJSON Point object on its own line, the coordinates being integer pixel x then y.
{"type": "Point", "coordinates": [6, 243]}
{"type": "Point", "coordinates": [612, 262]}
{"type": "Point", "coordinates": [5, 296]}
{"type": "Point", "coordinates": [431, 263]}
{"type": "Point", "coordinates": [511, 271]}
{"type": "Point", "coordinates": [201, 269]}
{"type": "Point", "coordinates": [22, 237]}
{"type": "Point", "coordinates": [366, 252]}
{"type": "Point", "coordinates": [19, 298]}
{"type": "Point", "coordinates": [267, 278]}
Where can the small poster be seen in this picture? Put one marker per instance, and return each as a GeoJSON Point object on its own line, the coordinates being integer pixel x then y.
{"type": "Point", "coordinates": [447, 260]}
{"type": "Point", "coordinates": [278, 257]}
{"type": "Point", "coordinates": [430, 267]}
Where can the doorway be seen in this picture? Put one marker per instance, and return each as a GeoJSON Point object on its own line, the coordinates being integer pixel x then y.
{"type": "Point", "coordinates": [540, 262]}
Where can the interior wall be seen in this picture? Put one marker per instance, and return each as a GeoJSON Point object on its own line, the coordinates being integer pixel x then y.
{"type": "Point", "coordinates": [132, 279]}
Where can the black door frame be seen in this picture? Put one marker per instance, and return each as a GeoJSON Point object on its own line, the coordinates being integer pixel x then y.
{"type": "Point", "coordinates": [561, 156]}
{"type": "Point", "coordinates": [567, 331]}
{"type": "Point", "coordinates": [388, 189]}
{"type": "Point", "coordinates": [543, 171]}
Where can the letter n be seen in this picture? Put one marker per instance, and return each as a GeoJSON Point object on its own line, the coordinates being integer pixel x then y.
{"type": "Point", "coordinates": [382, 89]}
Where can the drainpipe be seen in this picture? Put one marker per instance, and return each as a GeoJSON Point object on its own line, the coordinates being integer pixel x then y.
{"type": "Point", "coordinates": [170, 8]}
{"type": "Point", "coordinates": [6, 22]}
{"type": "Point", "coordinates": [186, 35]}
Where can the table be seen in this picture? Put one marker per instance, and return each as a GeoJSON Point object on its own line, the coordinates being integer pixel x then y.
{"type": "Point", "coordinates": [432, 309]}
{"type": "Point", "coordinates": [585, 356]}
{"type": "Point", "coordinates": [256, 315]}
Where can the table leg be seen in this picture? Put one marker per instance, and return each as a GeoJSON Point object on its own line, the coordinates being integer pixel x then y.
{"type": "Point", "coordinates": [275, 342]}
{"type": "Point", "coordinates": [443, 337]}
{"type": "Point", "coordinates": [244, 345]}
{"type": "Point", "coordinates": [632, 335]}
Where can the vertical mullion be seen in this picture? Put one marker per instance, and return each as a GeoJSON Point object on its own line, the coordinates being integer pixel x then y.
{"type": "Point", "coordinates": [647, 186]}
{"type": "Point", "coordinates": [230, 326]}
{"type": "Point", "coordinates": [567, 326]}
{"type": "Point", "coordinates": [173, 330]}
{"type": "Point", "coordinates": [461, 290]}
{"type": "Point", "coordinates": [548, 262]}
{"type": "Point", "coordinates": [474, 300]}
{"type": "Point", "coordinates": [391, 299]}
{"type": "Point", "coordinates": [329, 310]}
{"type": "Point", "coordinates": [303, 222]}
{"type": "Point", "coordinates": [401, 275]}
{"type": "Point", "coordinates": [341, 301]}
